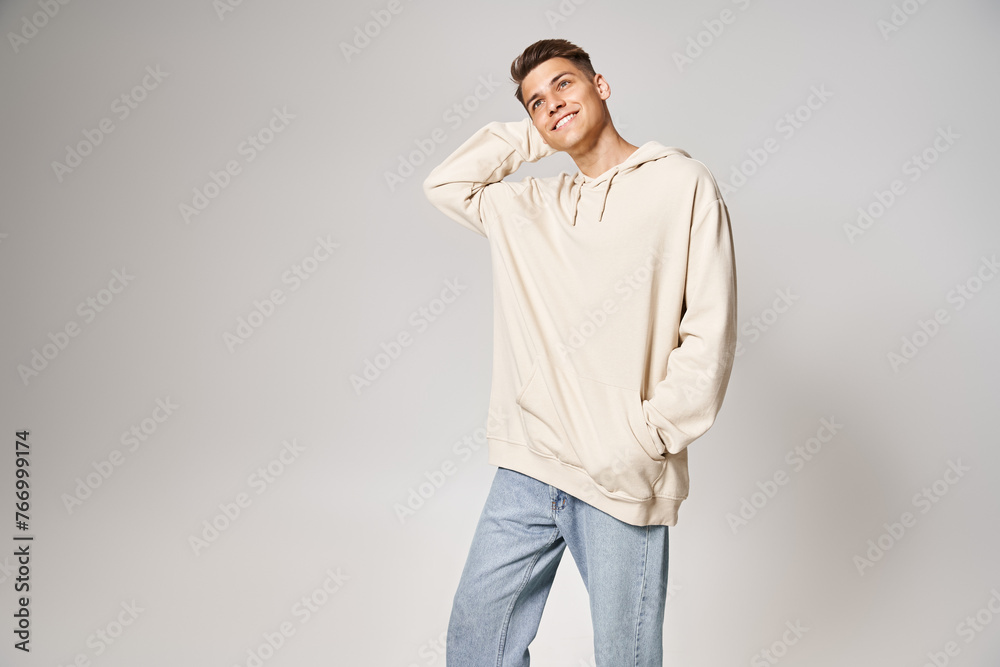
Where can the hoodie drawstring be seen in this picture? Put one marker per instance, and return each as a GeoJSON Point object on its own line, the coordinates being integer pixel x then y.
{"type": "Point", "coordinates": [646, 153]}
{"type": "Point", "coordinates": [576, 207]}
{"type": "Point", "coordinates": [604, 203]}
{"type": "Point", "coordinates": [607, 190]}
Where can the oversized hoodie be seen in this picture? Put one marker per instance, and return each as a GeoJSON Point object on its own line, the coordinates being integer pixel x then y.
{"type": "Point", "coordinates": [614, 315]}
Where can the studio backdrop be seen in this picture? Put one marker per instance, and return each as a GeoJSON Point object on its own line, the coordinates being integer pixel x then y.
{"type": "Point", "coordinates": [246, 365]}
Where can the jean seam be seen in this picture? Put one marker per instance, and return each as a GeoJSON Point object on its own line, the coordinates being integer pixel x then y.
{"type": "Point", "coordinates": [642, 596]}
{"type": "Point", "coordinates": [510, 608]}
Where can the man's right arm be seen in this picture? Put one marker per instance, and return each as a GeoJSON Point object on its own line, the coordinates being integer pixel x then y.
{"type": "Point", "coordinates": [469, 185]}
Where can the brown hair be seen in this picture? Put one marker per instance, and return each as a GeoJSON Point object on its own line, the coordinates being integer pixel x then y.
{"type": "Point", "coordinates": [543, 50]}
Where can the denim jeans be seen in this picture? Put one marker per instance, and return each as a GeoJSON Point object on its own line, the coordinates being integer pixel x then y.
{"type": "Point", "coordinates": [522, 533]}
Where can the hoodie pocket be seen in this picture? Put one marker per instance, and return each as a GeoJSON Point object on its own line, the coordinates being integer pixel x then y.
{"type": "Point", "coordinates": [541, 425]}
{"type": "Point", "coordinates": [595, 426]}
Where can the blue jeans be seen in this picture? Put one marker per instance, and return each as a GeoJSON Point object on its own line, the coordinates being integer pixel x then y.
{"type": "Point", "coordinates": [520, 538]}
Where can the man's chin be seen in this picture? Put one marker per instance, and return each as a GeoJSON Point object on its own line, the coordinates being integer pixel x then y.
{"type": "Point", "coordinates": [556, 142]}
{"type": "Point", "coordinates": [560, 145]}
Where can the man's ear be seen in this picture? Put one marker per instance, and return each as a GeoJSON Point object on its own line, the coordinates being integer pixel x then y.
{"type": "Point", "coordinates": [603, 87]}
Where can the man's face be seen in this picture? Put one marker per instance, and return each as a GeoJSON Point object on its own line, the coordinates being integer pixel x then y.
{"type": "Point", "coordinates": [564, 104]}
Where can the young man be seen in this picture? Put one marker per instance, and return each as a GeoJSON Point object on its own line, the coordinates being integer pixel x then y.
{"type": "Point", "coordinates": [615, 332]}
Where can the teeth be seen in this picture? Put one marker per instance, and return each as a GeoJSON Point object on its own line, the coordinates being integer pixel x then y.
{"type": "Point", "coordinates": [565, 120]}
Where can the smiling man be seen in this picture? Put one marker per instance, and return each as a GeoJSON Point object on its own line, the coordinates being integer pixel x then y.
{"type": "Point", "coordinates": [615, 332]}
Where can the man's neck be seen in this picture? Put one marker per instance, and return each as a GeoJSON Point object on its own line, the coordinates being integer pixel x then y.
{"type": "Point", "coordinates": [596, 157]}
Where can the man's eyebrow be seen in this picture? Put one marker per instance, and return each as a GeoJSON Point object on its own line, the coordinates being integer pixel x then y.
{"type": "Point", "coordinates": [554, 79]}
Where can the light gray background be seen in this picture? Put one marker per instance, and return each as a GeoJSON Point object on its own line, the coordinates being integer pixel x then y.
{"type": "Point", "coordinates": [334, 506]}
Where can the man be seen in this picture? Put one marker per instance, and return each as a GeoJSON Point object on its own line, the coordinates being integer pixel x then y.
{"type": "Point", "coordinates": [615, 331]}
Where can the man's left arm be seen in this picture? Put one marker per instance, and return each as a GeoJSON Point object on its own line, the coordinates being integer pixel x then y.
{"type": "Point", "coordinates": [683, 405]}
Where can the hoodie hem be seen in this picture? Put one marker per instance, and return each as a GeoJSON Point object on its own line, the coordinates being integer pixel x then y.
{"type": "Point", "coordinates": [656, 510]}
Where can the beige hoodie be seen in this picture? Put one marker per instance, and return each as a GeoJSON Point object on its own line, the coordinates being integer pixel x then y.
{"type": "Point", "coordinates": [614, 315]}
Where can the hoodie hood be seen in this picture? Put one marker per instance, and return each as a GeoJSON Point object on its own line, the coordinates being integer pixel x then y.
{"type": "Point", "coordinates": [649, 151]}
